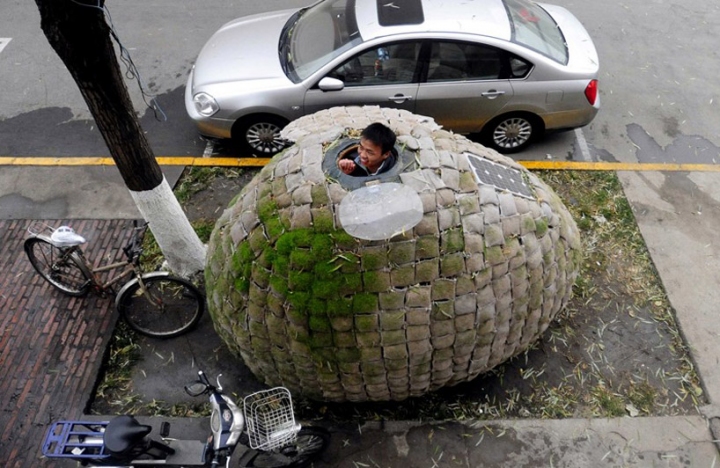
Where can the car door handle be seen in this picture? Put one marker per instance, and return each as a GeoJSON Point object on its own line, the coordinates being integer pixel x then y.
{"type": "Point", "coordinates": [492, 94]}
{"type": "Point", "coordinates": [399, 98]}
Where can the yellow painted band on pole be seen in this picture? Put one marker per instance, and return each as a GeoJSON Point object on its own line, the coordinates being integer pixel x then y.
{"type": "Point", "coordinates": [259, 162]}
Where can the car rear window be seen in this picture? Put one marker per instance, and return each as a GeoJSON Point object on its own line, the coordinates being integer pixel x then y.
{"type": "Point", "coordinates": [534, 28]}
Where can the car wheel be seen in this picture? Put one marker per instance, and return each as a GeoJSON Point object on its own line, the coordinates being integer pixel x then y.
{"type": "Point", "coordinates": [260, 136]}
{"type": "Point", "coordinates": [511, 133]}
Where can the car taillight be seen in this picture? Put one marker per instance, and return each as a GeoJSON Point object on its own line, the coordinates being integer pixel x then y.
{"type": "Point", "coordinates": [591, 91]}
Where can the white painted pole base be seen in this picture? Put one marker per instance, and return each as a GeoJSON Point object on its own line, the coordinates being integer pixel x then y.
{"type": "Point", "coordinates": [184, 253]}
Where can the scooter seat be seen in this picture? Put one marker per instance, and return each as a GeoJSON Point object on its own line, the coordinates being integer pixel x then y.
{"type": "Point", "coordinates": [123, 433]}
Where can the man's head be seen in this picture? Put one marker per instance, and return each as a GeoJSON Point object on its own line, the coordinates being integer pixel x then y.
{"type": "Point", "coordinates": [376, 144]}
{"type": "Point", "coordinates": [380, 135]}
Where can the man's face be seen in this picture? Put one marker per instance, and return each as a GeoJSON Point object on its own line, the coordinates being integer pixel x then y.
{"type": "Point", "coordinates": [371, 155]}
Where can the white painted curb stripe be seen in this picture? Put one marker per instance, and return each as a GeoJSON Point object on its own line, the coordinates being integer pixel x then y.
{"type": "Point", "coordinates": [4, 41]}
{"type": "Point", "coordinates": [209, 148]}
{"type": "Point", "coordinates": [582, 144]}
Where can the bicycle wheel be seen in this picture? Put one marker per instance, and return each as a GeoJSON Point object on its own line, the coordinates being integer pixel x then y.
{"type": "Point", "coordinates": [310, 442]}
{"type": "Point", "coordinates": [59, 267]}
{"type": "Point", "coordinates": [167, 306]}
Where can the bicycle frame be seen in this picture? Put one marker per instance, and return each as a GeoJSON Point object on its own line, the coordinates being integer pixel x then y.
{"type": "Point", "coordinates": [93, 273]}
{"type": "Point", "coordinates": [134, 269]}
{"type": "Point", "coordinates": [114, 279]}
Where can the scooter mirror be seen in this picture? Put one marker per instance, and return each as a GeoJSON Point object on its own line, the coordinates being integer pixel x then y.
{"type": "Point", "coordinates": [196, 388]}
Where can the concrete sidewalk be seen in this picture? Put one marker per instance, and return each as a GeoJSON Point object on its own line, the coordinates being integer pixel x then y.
{"type": "Point", "coordinates": [570, 443]}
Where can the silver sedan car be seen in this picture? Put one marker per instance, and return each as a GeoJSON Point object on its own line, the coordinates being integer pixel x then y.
{"type": "Point", "coordinates": [506, 70]}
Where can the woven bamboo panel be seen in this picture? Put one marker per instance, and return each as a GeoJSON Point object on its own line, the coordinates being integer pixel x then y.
{"type": "Point", "coordinates": [336, 318]}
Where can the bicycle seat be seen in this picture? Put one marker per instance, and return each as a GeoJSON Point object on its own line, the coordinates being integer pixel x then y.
{"type": "Point", "coordinates": [65, 236]}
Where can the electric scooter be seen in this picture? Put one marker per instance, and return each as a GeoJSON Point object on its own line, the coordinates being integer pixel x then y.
{"type": "Point", "coordinates": [266, 429]}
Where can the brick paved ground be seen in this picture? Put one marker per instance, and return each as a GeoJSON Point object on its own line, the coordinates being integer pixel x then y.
{"type": "Point", "coordinates": [51, 345]}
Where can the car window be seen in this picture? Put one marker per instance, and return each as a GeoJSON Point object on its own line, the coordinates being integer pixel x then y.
{"type": "Point", "coordinates": [452, 61]}
{"type": "Point", "coordinates": [519, 68]}
{"type": "Point", "coordinates": [389, 64]}
{"type": "Point", "coordinates": [316, 35]}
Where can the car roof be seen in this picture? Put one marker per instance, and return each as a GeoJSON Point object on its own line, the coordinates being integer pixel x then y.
{"type": "Point", "coordinates": [484, 17]}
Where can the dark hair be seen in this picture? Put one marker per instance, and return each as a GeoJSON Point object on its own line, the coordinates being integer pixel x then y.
{"type": "Point", "coordinates": [380, 135]}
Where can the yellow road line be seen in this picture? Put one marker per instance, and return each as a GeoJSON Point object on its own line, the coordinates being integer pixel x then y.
{"type": "Point", "coordinates": [105, 161]}
{"type": "Point", "coordinates": [618, 166]}
{"type": "Point", "coordinates": [258, 162]}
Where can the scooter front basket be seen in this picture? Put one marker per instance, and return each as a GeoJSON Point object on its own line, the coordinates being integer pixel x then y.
{"type": "Point", "coordinates": [270, 419]}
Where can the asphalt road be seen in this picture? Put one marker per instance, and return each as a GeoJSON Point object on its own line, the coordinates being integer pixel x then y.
{"type": "Point", "coordinates": [658, 80]}
{"type": "Point", "coordinates": [43, 114]}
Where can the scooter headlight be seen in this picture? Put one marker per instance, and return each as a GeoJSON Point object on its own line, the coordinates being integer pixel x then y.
{"type": "Point", "coordinates": [215, 421]}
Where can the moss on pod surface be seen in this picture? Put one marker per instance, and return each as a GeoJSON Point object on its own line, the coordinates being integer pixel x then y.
{"type": "Point", "coordinates": [338, 318]}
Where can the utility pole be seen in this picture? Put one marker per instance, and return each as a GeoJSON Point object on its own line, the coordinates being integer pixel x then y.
{"type": "Point", "coordinates": [79, 34]}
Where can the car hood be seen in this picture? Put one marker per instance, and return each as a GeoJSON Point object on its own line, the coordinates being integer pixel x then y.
{"type": "Point", "coordinates": [245, 49]}
{"type": "Point", "coordinates": [582, 54]}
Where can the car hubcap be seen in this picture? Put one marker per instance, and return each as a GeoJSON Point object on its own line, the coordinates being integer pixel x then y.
{"type": "Point", "coordinates": [512, 133]}
{"type": "Point", "coordinates": [265, 138]}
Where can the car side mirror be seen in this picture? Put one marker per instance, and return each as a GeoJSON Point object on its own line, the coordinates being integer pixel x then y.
{"type": "Point", "coordinates": [331, 84]}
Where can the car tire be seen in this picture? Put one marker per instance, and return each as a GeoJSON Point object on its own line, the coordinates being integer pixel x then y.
{"type": "Point", "coordinates": [511, 133]}
{"type": "Point", "coordinates": [260, 135]}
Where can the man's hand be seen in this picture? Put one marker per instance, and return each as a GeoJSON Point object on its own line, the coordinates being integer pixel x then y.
{"type": "Point", "coordinates": [346, 165]}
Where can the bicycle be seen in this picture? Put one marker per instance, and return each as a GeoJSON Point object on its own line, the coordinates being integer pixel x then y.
{"type": "Point", "coordinates": [155, 304]}
{"type": "Point", "coordinates": [265, 428]}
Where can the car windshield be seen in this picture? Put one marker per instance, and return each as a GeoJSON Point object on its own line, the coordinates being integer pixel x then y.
{"type": "Point", "coordinates": [315, 35]}
{"type": "Point", "coordinates": [534, 28]}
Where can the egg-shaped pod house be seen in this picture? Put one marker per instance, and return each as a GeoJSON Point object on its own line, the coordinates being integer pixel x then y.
{"type": "Point", "coordinates": [378, 288]}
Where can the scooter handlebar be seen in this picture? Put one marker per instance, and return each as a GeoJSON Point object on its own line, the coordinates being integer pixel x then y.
{"type": "Point", "coordinates": [203, 378]}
